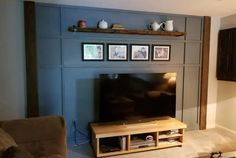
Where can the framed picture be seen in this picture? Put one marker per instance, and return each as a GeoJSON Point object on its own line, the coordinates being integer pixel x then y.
{"type": "Point", "coordinates": [92, 51]}
{"type": "Point", "coordinates": [140, 52]}
{"type": "Point", "coordinates": [117, 52]}
{"type": "Point", "coordinates": [161, 52]}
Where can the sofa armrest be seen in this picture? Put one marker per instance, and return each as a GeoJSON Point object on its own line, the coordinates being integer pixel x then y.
{"type": "Point", "coordinates": [41, 136]}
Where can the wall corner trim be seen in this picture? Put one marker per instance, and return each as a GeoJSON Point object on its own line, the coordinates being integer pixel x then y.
{"type": "Point", "coordinates": [205, 70]}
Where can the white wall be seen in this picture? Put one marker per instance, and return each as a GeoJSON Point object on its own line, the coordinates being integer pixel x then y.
{"type": "Point", "coordinates": [228, 22]}
{"type": "Point", "coordinates": [226, 108]}
{"type": "Point", "coordinates": [12, 60]}
{"type": "Point", "coordinates": [212, 81]}
{"type": "Point", "coordinates": [188, 7]}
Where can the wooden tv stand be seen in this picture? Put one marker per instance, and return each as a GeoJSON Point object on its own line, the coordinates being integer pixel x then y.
{"type": "Point", "coordinates": [121, 138]}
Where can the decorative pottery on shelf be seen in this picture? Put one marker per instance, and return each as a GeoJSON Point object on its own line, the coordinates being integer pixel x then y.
{"type": "Point", "coordinates": [102, 24]}
{"type": "Point", "coordinates": [168, 25]}
{"type": "Point", "coordinates": [154, 26]}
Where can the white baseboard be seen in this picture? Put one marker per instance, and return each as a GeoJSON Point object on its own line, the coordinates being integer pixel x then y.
{"type": "Point", "coordinates": [225, 128]}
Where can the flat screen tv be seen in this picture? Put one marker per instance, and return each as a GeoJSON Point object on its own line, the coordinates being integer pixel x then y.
{"type": "Point", "coordinates": [135, 96]}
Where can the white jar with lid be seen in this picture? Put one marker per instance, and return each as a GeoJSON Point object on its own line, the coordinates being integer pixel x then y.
{"type": "Point", "coordinates": [102, 24]}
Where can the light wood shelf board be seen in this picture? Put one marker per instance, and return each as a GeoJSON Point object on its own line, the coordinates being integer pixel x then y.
{"type": "Point", "coordinates": [143, 149]}
{"type": "Point", "coordinates": [169, 136]}
{"type": "Point", "coordinates": [113, 153]}
{"type": "Point", "coordinates": [166, 145]}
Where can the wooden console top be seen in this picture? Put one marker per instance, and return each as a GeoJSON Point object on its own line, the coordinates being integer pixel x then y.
{"type": "Point", "coordinates": [101, 130]}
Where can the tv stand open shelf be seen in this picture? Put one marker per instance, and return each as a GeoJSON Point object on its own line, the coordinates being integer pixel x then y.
{"type": "Point", "coordinates": [120, 138]}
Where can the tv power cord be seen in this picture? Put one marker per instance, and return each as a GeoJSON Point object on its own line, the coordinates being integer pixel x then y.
{"type": "Point", "coordinates": [76, 133]}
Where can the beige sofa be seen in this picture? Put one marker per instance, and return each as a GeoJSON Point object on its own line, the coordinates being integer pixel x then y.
{"type": "Point", "coordinates": [42, 137]}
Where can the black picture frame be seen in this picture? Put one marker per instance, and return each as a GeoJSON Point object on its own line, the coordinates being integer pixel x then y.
{"type": "Point", "coordinates": [117, 52]}
{"type": "Point", "coordinates": [139, 52]}
{"type": "Point", "coordinates": [92, 51]}
{"type": "Point", "coordinates": [161, 52]}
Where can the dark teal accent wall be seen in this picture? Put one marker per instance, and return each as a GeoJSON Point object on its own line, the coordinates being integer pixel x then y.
{"type": "Point", "coordinates": [67, 84]}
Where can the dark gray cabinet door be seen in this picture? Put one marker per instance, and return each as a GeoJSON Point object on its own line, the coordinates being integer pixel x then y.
{"type": "Point", "coordinates": [233, 55]}
{"type": "Point", "coordinates": [226, 67]}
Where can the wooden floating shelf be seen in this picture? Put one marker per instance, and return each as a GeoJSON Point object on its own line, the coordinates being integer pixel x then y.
{"type": "Point", "coordinates": [132, 32]}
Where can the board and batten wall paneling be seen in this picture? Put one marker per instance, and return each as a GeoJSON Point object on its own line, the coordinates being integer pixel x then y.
{"type": "Point", "coordinates": [49, 56]}
{"type": "Point", "coordinates": [81, 91]}
{"type": "Point", "coordinates": [191, 97]}
{"type": "Point", "coordinates": [193, 53]}
{"type": "Point", "coordinates": [60, 64]}
{"type": "Point", "coordinates": [132, 20]}
{"type": "Point", "coordinates": [50, 91]}
{"type": "Point", "coordinates": [72, 56]}
{"type": "Point", "coordinates": [191, 76]}
{"type": "Point", "coordinates": [48, 20]}
{"type": "Point", "coordinates": [50, 51]}
{"type": "Point", "coordinates": [193, 28]}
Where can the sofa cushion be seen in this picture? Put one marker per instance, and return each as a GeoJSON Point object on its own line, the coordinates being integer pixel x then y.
{"type": "Point", "coordinates": [52, 156]}
{"type": "Point", "coordinates": [6, 141]}
{"type": "Point", "coordinates": [41, 136]}
{"type": "Point", "coordinates": [16, 152]}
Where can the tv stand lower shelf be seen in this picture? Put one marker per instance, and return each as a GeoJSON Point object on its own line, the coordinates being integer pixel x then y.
{"type": "Point", "coordinates": [120, 138]}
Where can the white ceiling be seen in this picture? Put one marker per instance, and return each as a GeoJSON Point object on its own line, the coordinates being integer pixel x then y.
{"type": "Point", "coordinates": [191, 7]}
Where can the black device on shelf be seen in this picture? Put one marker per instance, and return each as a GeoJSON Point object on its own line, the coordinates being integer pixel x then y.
{"type": "Point", "coordinates": [110, 144]}
{"type": "Point", "coordinates": [136, 96]}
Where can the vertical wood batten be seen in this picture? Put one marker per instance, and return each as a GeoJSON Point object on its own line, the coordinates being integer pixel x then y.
{"type": "Point", "coordinates": [205, 70]}
{"type": "Point", "coordinates": [31, 59]}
